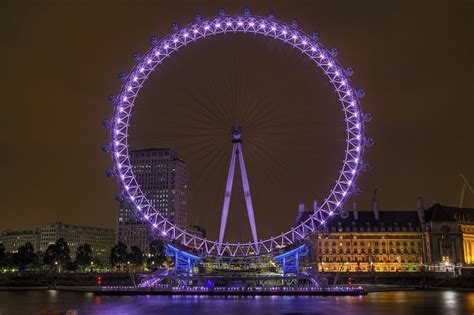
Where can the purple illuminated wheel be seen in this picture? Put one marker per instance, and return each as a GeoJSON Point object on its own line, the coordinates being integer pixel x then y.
{"type": "Point", "coordinates": [267, 26]}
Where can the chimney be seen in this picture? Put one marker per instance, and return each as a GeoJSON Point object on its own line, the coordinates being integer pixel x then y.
{"type": "Point", "coordinates": [354, 210]}
{"type": "Point", "coordinates": [300, 212]}
{"type": "Point", "coordinates": [420, 210]}
{"type": "Point", "coordinates": [375, 208]}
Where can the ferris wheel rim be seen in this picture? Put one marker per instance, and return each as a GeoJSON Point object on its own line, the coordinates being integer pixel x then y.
{"type": "Point", "coordinates": [202, 28]}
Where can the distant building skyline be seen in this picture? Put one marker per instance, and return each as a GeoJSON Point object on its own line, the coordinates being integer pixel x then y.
{"type": "Point", "coordinates": [101, 240]}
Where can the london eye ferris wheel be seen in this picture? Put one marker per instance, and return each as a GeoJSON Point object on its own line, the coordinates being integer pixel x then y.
{"type": "Point", "coordinates": [309, 46]}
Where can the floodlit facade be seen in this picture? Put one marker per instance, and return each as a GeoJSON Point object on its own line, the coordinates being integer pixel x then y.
{"type": "Point", "coordinates": [437, 239]}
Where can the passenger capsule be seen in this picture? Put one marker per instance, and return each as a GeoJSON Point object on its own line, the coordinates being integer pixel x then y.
{"type": "Point", "coordinates": [122, 76]}
{"type": "Point", "coordinates": [344, 214]}
{"type": "Point", "coordinates": [369, 142]}
{"type": "Point", "coordinates": [360, 93]}
{"type": "Point", "coordinates": [137, 57]}
{"type": "Point", "coordinates": [105, 147]}
{"type": "Point", "coordinates": [119, 197]}
{"type": "Point", "coordinates": [175, 26]}
{"type": "Point", "coordinates": [111, 99]}
{"type": "Point", "coordinates": [294, 24]}
{"type": "Point", "coordinates": [109, 172]}
{"type": "Point", "coordinates": [107, 123]}
{"type": "Point", "coordinates": [349, 72]}
{"type": "Point", "coordinates": [154, 40]}
{"type": "Point", "coordinates": [367, 117]}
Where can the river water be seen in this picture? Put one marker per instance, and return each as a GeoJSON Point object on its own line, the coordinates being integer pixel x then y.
{"type": "Point", "coordinates": [400, 302]}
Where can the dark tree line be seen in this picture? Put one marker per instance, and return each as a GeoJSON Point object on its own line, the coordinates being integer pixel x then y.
{"type": "Point", "coordinates": [57, 257]}
{"type": "Point", "coordinates": [121, 256]}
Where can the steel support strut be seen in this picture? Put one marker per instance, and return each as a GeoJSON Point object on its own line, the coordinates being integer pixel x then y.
{"type": "Point", "coordinates": [228, 193]}
{"type": "Point", "coordinates": [248, 197]}
{"type": "Point", "coordinates": [237, 154]}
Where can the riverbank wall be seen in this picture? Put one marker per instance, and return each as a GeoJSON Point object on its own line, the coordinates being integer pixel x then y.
{"type": "Point", "coordinates": [376, 280]}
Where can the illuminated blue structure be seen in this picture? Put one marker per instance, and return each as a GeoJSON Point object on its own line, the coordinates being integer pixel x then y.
{"type": "Point", "coordinates": [290, 260]}
{"type": "Point", "coordinates": [183, 261]}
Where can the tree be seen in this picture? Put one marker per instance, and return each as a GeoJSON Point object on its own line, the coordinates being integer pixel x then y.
{"type": "Point", "coordinates": [118, 254]}
{"type": "Point", "coordinates": [58, 254]}
{"type": "Point", "coordinates": [157, 254]}
{"type": "Point", "coordinates": [25, 256]}
{"type": "Point", "coordinates": [2, 254]}
{"type": "Point", "coordinates": [136, 256]}
{"type": "Point", "coordinates": [84, 255]}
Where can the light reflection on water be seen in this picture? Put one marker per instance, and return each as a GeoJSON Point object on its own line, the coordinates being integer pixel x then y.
{"type": "Point", "coordinates": [400, 302]}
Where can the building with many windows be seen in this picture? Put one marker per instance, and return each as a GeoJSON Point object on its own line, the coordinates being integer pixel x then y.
{"type": "Point", "coordinates": [12, 240]}
{"type": "Point", "coordinates": [161, 174]}
{"type": "Point", "coordinates": [439, 239]}
{"type": "Point", "coordinates": [101, 240]}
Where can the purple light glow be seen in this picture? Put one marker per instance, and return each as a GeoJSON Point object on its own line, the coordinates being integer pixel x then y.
{"type": "Point", "coordinates": [233, 24]}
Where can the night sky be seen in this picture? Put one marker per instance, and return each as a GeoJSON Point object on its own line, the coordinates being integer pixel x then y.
{"type": "Point", "coordinates": [61, 60]}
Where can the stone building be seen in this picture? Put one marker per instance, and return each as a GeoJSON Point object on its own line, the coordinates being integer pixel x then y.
{"type": "Point", "coordinates": [450, 235]}
{"type": "Point", "coordinates": [438, 239]}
